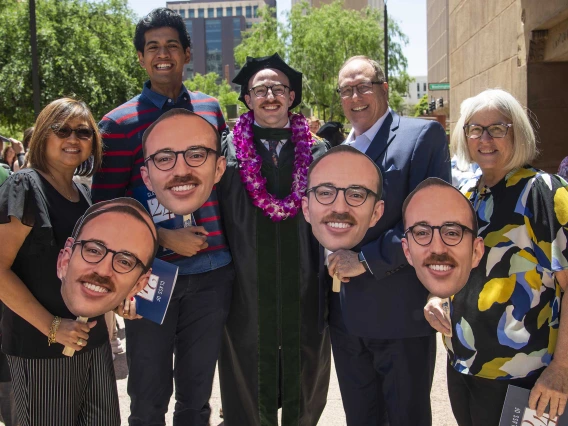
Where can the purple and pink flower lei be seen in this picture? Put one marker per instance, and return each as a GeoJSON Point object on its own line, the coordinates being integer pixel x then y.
{"type": "Point", "coordinates": [251, 163]}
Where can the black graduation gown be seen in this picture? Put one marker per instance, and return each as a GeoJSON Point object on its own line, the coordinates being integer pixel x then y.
{"type": "Point", "coordinates": [274, 305]}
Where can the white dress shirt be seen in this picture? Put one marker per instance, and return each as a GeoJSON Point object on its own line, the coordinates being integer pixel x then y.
{"type": "Point", "coordinates": [280, 144]}
{"type": "Point", "coordinates": [363, 141]}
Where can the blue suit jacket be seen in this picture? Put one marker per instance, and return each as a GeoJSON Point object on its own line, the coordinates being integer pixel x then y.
{"type": "Point", "coordinates": [389, 303]}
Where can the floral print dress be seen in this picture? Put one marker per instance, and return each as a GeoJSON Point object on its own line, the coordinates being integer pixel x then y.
{"type": "Point", "coordinates": [505, 321]}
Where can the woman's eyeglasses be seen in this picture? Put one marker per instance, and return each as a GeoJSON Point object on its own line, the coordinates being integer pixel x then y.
{"type": "Point", "coordinates": [497, 130]}
{"type": "Point", "coordinates": [63, 132]}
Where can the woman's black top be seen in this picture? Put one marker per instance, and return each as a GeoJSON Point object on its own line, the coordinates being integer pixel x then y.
{"type": "Point", "coordinates": [29, 197]}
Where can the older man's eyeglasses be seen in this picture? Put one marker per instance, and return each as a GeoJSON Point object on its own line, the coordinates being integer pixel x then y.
{"type": "Point", "coordinates": [354, 195]}
{"type": "Point", "coordinates": [362, 88]}
{"type": "Point", "coordinates": [451, 233]}
{"type": "Point", "coordinates": [122, 262]}
{"type": "Point", "coordinates": [262, 90]}
{"type": "Point", "coordinates": [497, 130]}
{"type": "Point", "coordinates": [194, 156]}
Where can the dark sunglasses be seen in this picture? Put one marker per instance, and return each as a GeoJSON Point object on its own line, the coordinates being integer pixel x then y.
{"type": "Point", "coordinates": [63, 132]}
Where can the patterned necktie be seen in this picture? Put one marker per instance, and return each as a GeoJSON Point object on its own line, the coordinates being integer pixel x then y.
{"type": "Point", "coordinates": [272, 149]}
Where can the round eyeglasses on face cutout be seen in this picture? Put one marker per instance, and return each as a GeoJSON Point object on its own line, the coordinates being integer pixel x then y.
{"type": "Point", "coordinates": [95, 251]}
{"type": "Point", "coordinates": [261, 91]}
{"type": "Point", "coordinates": [362, 89]}
{"type": "Point", "coordinates": [451, 233]}
{"type": "Point", "coordinates": [497, 130]}
{"type": "Point", "coordinates": [354, 195]}
{"type": "Point", "coordinates": [194, 156]}
{"type": "Point", "coordinates": [63, 132]}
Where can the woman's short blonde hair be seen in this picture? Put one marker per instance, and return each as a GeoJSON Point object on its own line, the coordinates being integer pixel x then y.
{"type": "Point", "coordinates": [524, 140]}
{"type": "Point", "coordinates": [60, 112]}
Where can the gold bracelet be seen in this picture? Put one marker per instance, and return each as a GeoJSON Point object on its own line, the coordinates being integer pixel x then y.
{"type": "Point", "coordinates": [52, 330]}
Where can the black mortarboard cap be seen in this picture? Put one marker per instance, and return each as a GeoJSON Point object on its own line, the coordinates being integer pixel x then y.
{"type": "Point", "coordinates": [328, 129]}
{"type": "Point", "coordinates": [254, 65]}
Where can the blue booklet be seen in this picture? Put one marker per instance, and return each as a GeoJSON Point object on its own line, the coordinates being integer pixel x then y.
{"type": "Point", "coordinates": [516, 411]}
{"type": "Point", "coordinates": [153, 301]}
{"type": "Point", "coordinates": [160, 215]}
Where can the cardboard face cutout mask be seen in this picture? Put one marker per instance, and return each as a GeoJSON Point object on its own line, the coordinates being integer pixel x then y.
{"type": "Point", "coordinates": [440, 242]}
{"type": "Point", "coordinates": [342, 205]}
{"type": "Point", "coordinates": [107, 260]}
{"type": "Point", "coordinates": [181, 167]}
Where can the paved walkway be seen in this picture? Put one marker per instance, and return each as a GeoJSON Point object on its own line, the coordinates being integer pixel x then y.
{"type": "Point", "coordinates": [333, 414]}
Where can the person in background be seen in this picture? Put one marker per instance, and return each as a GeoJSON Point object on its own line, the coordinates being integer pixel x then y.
{"type": "Point", "coordinates": [563, 169]}
{"type": "Point", "coordinates": [332, 131]}
{"type": "Point", "coordinates": [10, 157]}
{"type": "Point", "coordinates": [508, 323]}
{"type": "Point", "coordinates": [461, 173]}
{"type": "Point", "coordinates": [39, 207]}
{"type": "Point", "coordinates": [27, 138]}
{"type": "Point", "coordinates": [314, 124]}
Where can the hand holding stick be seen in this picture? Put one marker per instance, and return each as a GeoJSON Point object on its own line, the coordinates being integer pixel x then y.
{"type": "Point", "coordinates": [67, 351]}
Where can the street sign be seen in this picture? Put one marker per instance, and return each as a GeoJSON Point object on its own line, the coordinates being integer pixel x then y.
{"type": "Point", "coordinates": [438, 86]}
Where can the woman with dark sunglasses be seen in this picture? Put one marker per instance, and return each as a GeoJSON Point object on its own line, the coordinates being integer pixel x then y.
{"type": "Point", "coordinates": [39, 206]}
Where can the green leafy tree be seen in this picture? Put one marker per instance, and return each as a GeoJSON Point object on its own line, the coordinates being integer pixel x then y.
{"type": "Point", "coordinates": [421, 106]}
{"type": "Point", "coordinates": [208, 84]}
{"type": "Point", "coordinates": [317, 41]}
{"type": "Point", "coordinates": [85, 49]}
{"type": "Point", "coordinates": [265, 38]}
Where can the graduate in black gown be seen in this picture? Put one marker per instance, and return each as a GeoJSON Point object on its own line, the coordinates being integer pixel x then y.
{"type": "Point", "coordinates": [273, 354]}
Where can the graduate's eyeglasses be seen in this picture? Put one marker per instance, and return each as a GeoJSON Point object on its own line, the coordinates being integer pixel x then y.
{"type": "Point", "coordinates": [362, 89]}
{"type": "Point", "coordinates": [354, 195]}
{"type": "Point", "coordinates": [262, 90]}
{"type": "Point", "coordinates": [451, 233]}
{"type": "Point", "coordinates": [122, 261]}
{"type": "Point", "coordinates": [497, 130]}
{"type": "Point", "coordinates": [63, 132]}
{"type": "Point", "coordinates": [194, 156]}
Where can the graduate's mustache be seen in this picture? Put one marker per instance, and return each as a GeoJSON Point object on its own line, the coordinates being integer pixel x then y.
{"type": "Point", "coordinates": [440, 258]}
{"type": "Point", "coordinates": [95, 278]}
{"type": "Point", "coordinates": [340, 217]}
{"type": "Point", "coordinates": [183, 180]}
{"type": "Point", "coordinates": [273, 102]}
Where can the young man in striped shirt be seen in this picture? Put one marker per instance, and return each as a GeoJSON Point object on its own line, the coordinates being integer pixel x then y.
{"type": "Point", "coordinates": [199, 305]}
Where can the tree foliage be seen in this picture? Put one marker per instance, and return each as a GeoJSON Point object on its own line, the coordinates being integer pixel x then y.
{"type": "Point", "coordinates": [421, 106]}
{"type": "Point", "coordinates": [264, 38]}
{"type": "Point", "coordinates": [317, 41]}
{"type": "Point", "coordinates": [208, 84]}
{"type": "Point", "coordinates": [84, 48]}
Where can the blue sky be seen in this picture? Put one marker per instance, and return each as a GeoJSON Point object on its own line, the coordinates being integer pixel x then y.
{"type": "Point", "coordinates": [410, 15]}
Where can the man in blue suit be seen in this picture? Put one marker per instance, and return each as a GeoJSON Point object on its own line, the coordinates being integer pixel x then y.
{"type": "Point", "coordinates": [383, 347]}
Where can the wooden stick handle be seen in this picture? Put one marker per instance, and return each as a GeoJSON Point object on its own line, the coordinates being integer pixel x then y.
{"type": "Point", "coordinates": [67, 351]}
{"type": "Point", "coordinates": [336, 284]}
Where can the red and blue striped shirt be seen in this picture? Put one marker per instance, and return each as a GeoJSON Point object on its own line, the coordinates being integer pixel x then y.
{"type": "Point", "coordinates": [122, 131]}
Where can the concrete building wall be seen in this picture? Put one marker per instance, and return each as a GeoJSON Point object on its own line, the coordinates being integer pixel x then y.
{"type": "Point", "coordinates": [486, 46]}
{"type": "Point", "coordinates": [520, 46]}
{"type": "Point", "coordinates": [437, 41]}
{"type": "Point", "coordinates": [184, 8]}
